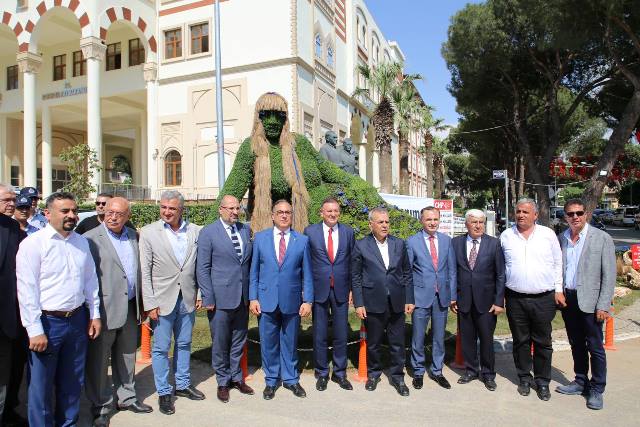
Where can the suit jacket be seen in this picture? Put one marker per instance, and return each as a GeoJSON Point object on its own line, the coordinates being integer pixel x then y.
{"type": "Point", "coordinates": [596, 272]}
{"type": "Point", "coordinates": [286, 286]}
{"type": "Point", "coordinates": [114, 295]}
{"type": "Point", "coordinates": [425, 274]}
{"type": "Point", "coordinates": [323, 270]}
{"type": "Point", "coordinates": [10, 238]}
{"type": "Point", "coordinates": [163, 278]}
{"type": "Point", "coordinates": [483, 286]}
{"type": "Point", "coordinates": [223, 278]}
{"type": "Point", "coordinates": [373, 284]}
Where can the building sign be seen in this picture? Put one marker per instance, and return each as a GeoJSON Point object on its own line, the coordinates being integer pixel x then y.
{"type": "Point", "coordinates": [635, 257]}
{"type": "Point", "coordinates": [67, 91]}
{"type": "Point", "coordinates": [499, 174]}
{"type": "Point", "coordinates": [446, 215]}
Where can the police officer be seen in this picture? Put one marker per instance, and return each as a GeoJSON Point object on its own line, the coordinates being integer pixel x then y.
{"type": "Point", "coordinates": [37, 220]}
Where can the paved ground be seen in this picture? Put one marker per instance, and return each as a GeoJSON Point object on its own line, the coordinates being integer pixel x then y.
{"type": "Point", "coordinates": [623, 236]}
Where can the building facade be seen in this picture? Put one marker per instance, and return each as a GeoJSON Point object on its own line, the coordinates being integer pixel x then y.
{"type": "Point", "coordinates": [135, 80]}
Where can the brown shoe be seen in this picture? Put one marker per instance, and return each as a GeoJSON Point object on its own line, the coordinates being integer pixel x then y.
{"type": "Point", "coordinates": [223, 394]}
{"type": "Point", "coordinates": [242, 387]}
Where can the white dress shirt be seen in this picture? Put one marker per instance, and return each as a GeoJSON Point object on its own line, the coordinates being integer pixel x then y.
{"type": "Point", "coordinates": [470, 245]}
{"type": "Point", "coordinates": [55, 274]}
{"type": "Point", "coordinates": [384, 251]}
{"type": "Point", "coordinates": [227, 228]}
{"type": "Point", "coordinates": [427, 241]}
{"type": "Point", "coordinates": [178, 240]}
{"type": "Point", "coordinates": [574, 252]}
{"type": "Point", "coordinates": [334, 238]}
{"type": "Point", "coordinates": [276, 239]}
{"type": "Point", "coordinates": [533, 265]}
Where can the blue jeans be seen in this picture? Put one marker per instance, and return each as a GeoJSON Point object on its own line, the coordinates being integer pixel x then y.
{"type": "Point", "coordinates": [180, 323]}
{"type": "Point", "coordinates": [60, 366]}
{"type": "Point", "coordinates": [420, 319]}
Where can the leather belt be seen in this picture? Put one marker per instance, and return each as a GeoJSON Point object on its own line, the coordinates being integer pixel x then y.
{"type": "Point", "coordinates": [56, 313]}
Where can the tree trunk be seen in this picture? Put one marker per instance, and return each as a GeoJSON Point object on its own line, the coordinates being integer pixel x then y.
{"type": "Point", "coordinates": [521, 177]}
{"type": "Point", "coordinates": [428, 144]}
{"type": "Point", "coordinates": [438, 178]}
{"type": "Point", "coordinates": [404, 163]}
{"type": "Point", "coordinates": [386, 178]}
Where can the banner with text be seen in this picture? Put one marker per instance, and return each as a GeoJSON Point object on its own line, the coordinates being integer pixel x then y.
{"type": "Point", "coordinates": [446, 215]}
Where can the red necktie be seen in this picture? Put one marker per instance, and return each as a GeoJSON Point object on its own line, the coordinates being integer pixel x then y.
{"type": "Point", "coordinates": [434, 256]}
{"type": "Point", "coordinates": [330, 252]}
{"type": "Point", "coordinates": [282, 249]}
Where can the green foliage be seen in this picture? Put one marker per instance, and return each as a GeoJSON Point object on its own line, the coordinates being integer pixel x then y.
{"type": "Point", "coordinates": [198, 213]}
{"type": "Point", "coordinates": [82, 165]}
{"type": "Point", "coordinates": [570, 192]}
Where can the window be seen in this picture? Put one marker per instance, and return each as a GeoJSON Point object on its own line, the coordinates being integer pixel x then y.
{"type": "Point", "coordinates": [79, 64]}
{"type": "Point", "coordinates": [114, 56]}
{"type": "Point", "coordinates": [15, 176]}
{"type": "Point", "coordinates": [12, 77]}
{"type": "Point", "coordinates": [318, 46]}
{"type": "Point", "coordinates": [330, 58]}
{"type": "Point", "coordinates": [200, 38]}
{"type": "Point", "coordinates": [136, 52]}
{"type": "Point", "coordinates": [173, 44]}
{"type": "Point", "coordinates": [172, 169]}
{"type": "Point", "coordinates": [59, 67]}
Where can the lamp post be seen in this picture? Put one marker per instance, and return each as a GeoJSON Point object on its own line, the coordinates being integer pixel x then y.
{"type": "Point", "coordinates": [219, 117]}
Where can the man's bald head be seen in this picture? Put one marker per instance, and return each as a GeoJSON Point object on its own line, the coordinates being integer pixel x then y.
{"type": "Point", "coordinates": [229, 209]}
{"type": "Point", "coordinates": [117, 213]}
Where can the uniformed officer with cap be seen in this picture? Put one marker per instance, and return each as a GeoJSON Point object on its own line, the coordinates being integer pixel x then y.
{"type": "Point", "coordinates": [23, 212]}
{"type": "Point", "coordinates": [37, 220]}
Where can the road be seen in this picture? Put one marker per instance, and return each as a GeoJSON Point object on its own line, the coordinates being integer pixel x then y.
{"type": "Point", "coordinates": [623, 236]}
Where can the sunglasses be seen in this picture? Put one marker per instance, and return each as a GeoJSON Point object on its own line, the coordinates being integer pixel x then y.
{"type": "Point", "coordinates": [262, 114]}
{"type": "Point", "coordinates": [576, 213]}
{"type": "Point", "coordinates": [101, 203]}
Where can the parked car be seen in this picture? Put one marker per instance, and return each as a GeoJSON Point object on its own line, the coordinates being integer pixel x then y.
{"type": "Point", "coordinates": [625, 216]}
{"type": "Point", "coordinates": [607, 217]}
{"type": "Point", "coordinates": [595, 222]}
{"type": "Point", "coordinates": [597, 212]}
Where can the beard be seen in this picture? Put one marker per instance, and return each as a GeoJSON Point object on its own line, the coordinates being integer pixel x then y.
{"type": "Point", "coordinates": [68, 225]}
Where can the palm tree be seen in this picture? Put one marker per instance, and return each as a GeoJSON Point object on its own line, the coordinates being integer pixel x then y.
{"type": "Point", "coordinates": [440, 151]}
{"type": "Point", "coordinates": [406, 104]}
{"type": "Point", "coordinates": [427, 124]}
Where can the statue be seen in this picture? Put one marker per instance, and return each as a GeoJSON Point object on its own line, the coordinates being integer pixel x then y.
{"type": "Point", "coordinates": [329, 151]}
{"type": "Point", "coordinates": [348, 159]}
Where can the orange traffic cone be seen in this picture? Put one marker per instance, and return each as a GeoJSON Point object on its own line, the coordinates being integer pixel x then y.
{"type": "Point", "coordinates": [531, 348]}
{"type": "Point", "coordinates": [608, 333]}
{"type": "Point", "coordinates": [361, 376]}
{"type": "Point", "coordinates": [458, 363]}
{"type": "Point", "coordinates": [244, 363]}
{"type": "Point", "coordinates": [145, 344]}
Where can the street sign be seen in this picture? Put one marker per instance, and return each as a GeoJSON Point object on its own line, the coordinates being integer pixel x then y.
{"type": "Point", "coordinates": [635, 257]}
{"type": "Point", "coordinates": [499, 174]}
{"type": "Point", "coordinates": [446, 215]}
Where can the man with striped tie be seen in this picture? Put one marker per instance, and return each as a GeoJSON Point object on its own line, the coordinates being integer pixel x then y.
{"type": "Point", "coordinates": [224, 259]}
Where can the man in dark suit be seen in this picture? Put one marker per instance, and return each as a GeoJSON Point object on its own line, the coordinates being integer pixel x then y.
{"type": "Point", "coordinates": [13, 344]}
{"type": "Point", "coordinates": [480, 296]}
{"type": "Point", "coordinates": [280, 293]}
{"type": "Point", "coordinates": [222, 268]}
{"type": "Point", "coordinates": [382, 294]}
{"type": "Point", "coordinates": [331, 245]}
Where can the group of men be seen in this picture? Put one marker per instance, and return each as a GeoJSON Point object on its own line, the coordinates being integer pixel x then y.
{"type": "Point", "coordinates": [81, 299]}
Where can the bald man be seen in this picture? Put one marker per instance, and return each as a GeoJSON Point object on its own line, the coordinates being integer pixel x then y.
{"type": "Point", "coordinates": [115, 251]}
{"type": "Point", "coordinates": [223, 263]}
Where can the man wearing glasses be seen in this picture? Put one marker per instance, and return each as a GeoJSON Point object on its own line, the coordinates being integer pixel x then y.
{"type": "Point", "coordinates": [115, 251]}
{"type": "Point", "coordinates": [223, 263]}
{"type": "Point", "coordinates": [589, 267]}
{"type": "Point", "coordinates": [97, 219]}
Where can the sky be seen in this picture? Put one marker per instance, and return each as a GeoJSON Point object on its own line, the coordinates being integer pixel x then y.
{"type": "Point", "coordinates": [420, 28]}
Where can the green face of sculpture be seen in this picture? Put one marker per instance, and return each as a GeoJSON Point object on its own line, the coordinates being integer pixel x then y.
{"type": "Point", "coordinates": [272, 122]}
{"type": "Point", "coordinates": [347, 145]}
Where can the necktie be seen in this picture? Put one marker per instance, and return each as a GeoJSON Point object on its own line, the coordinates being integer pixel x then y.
{"type": "Point", "coordinates": [235, 241]}
{"type": "Point", "coordinates": [434, 257]}
{"type": "Point", "coordinates": [330, 252]}
{"type": "Point", "coordinates": [282, 249]}
{"type": "Point", "coordinates": [473, 255]}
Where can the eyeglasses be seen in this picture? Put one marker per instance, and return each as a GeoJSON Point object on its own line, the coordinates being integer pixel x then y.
{"type": "Point", "coordinates": [576, 213]}
{"type": "Point", "coordinates": [101, 203]}
{"type": "Point", "coordinates": [287, 213]}
{"type": "Point", "coordinates": [116, 214]}
{"type": "Point", "coordinates": [262, 114]}
{"type": "Point", "coordinates": [8, 200]}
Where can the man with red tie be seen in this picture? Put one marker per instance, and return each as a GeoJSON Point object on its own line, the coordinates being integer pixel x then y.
{"type": "Point", "coordinates": [331, 245]}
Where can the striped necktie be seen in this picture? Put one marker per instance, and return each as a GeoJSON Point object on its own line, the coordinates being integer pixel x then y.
{"type": "Point", "coordinates": [235, 240]}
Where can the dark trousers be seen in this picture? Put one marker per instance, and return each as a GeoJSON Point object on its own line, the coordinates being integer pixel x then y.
{"type": "Point", "coordinates": [393, 324]}
{"type": "Point", "coordinates": [228, 336]}
{"type": "Point", "coordinates": [474, 325]}
{"type": "Point", "coordinates": [585, 337]}
{"type": "Point", "coordinates": [530, 319]}
{"type": "Point", "coordinates": [61, 366]}
{"type": "Point", "coordinates": [339, 314]}
{"type": "Point", "coordinates": [13, 356]}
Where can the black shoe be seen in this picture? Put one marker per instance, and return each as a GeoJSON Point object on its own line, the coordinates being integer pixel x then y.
{"type": "Point", "coordinates": [269, 392]}
{"type": "Point", "coordinates": [191, 393]}
{"type": "Point", "coordinates": [417, 382]}
{"type": "Point", "coordinates": [166, 404]}
{"type": "Point", "coordinates": [524, 388]}
{"type": "Point", "coordinates": [137, 407]}
{"type": "Point", "coordinates": [543, 392]}
{"type": "Point", "coordinates": [321, 384]}
{"type": "Point", "coordinates": [343, 382]}
{"type": "Point", "coordinates": [296, 389]}
{"type": "Point", "coordinates": [401, 388]}
{"type": "Point", "coordinates": [466, 378]}
{"type": "Point", "coordinates": [372, 383]}
{"type": "Point", "coordinates": [101, 420]}
{"type": "Point", "coordinates": [440, 380]}
{"type": "Point", "coordinates": [490, 384]}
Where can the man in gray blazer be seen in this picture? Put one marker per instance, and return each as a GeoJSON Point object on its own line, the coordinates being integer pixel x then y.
{"type": "Point", "coordinates": [168, 251]}
{"type": "Point", "coordinates": [224, 260]}
{"type": "Point", "coordinates": [115, 251]}
{"type": "Point", "coordinates": [589, 278]}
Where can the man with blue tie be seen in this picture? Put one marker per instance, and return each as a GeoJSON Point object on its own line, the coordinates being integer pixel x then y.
{"type": "Point", "coordinates": [222, 267]}
{"type": "Point", "coordinates": [280, 293]}
{"type": "Point", "coordinates": [433, 264]}
{"type": "Point", "coordinates": [331, 245]}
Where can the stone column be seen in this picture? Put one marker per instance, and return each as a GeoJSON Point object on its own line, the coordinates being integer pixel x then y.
{"type": "Point", "coordinates": [3, 149]}
{"type": "Point", "coordinates": [136, 152]}
{"type": "Point", "coordinates": [362, 161]}
{"type": "Point", "coordinates": [143, 149]}
{"type": "Point", "coordinates": [375, 168]}
{"type": "Point", "coordinates": [151, 77]}
{"type": "Point", "coordinates": [93, 50]}
{"type": "Point", "coordinates": [46, 151]}
{"type": "Point", "coordinates": [29, 64]}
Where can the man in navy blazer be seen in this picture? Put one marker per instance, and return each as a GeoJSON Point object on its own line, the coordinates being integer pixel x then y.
{"type": "Point", "coordinates": [480, 267]}
{"type": "Point", "coordinates": [382, 294]}
{"type": "Point", "coordinates": [280, 292]}
{"type": "Point", "coordinates": [433, 265]}
{"type": "Point", "coordinates": [331, 245]}
{"type": "Point", "coordinates": [223, 263]}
